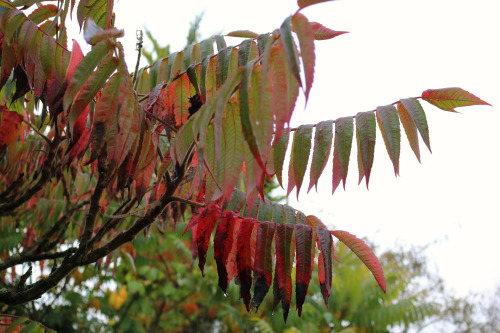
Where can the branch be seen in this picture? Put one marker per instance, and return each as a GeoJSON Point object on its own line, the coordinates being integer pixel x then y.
{"type": "Point", "coordinates": [33, 257]}
{"type": "Point", "coordinates": [37, 131]}
{"type": "Point", "coordinates": [189, 202]}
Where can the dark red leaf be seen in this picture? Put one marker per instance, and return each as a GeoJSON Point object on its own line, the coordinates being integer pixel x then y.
{"type": "Point", "coordinates": [303, 268]}
{"type": "Point", "coordinates": [244, 260]}
{"type": "Point", "coordinates": [223, 242]}
{"type": "Point", "coordinates": [282, 278]}
{"type": "Point", "coordinates": [263, 265]}
{"type": "Point", "coordinates": [325, 262]}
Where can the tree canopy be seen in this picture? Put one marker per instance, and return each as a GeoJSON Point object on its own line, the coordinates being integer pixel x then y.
{"type": "Point", "coordinates": [92, 155]}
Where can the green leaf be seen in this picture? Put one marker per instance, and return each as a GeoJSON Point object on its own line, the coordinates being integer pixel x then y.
{"type": "Point", "coordinates": [247, 51]}
{"type": "Point", "coordinates": [280, 146]}
{"type": "Point", "coordinates": [306, 40]}
{"type": "Point", "coordinates": [410, 129]}
{"type": "Point", "coordinates": [11, 22]}
{"type": "Point", "coordinates": [84, 69]}
{"type": "Point", "coordinates": [15, 324]}
{"type": "Point", "coordinates": [243, 34]}
{"type": "Point", "coordinates": [42, 13]}
{"type": "Point", "coordinates": [299, 157]}
{"type": "Point", "coordinates": [365, 135]}
{"type": "Point", "coordinates": [344, 130]}
{"type": "Point", "coordinates": [388, 121]}
{"type": "Point", "coordinates": [91, 87]}
{"type": "Point", "coordinates": [417, 113]}
{"type": "Point", "coordinates": [322, 146]}
{"type": "Point", "coordinates": [289, 47]}
{"type": "Point", "coordinates": [450, 98]}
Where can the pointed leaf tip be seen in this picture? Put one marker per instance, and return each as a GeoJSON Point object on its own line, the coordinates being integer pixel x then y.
{"type": "Point", "coordinates": [450, 98]}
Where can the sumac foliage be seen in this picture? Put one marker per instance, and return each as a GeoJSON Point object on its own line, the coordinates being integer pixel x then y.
{"type": "Point", "coordinates": [92, 155]}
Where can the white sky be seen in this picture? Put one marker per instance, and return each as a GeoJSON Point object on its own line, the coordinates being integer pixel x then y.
{"type": "Point", "coordinates": [395, 49]}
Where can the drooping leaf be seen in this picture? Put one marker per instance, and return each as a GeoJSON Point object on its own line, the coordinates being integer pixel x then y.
{"type": "Point", "coordinates": [410, 129]}
{"type": "Point", "coordinates": [10, 124]}
{"type": "Point", "coordinates": [84, 69]}
{"type": "Point", "coordinates": [282, 92]}
{"type": "Point", "coordinates": [344, 131]}
{"type": "Point", "coordinates": [263, 264]}
{"type": "Point", "coordinates": [244, 260]}
{"type": "Point", "coordinates": [306, 3]}
{"type": "Point", "coordinates": [181, 89]}
{"type": "Point", "coordinates": [314, 222]}
{"type": "Point", "coordinates": [242, 34]}
{"type": "Point", "coordinates": [321, 32]}
{"type": "Point", "coordinates": [388, 122]}
{"type": "Point", "coordinates": [325, 244]}
{"type": "Point", "coordinates": [322, 146]}
{"type": "Point", "coordinates": [417, 113]}
{"type": "Point", "coordinates": [280, 146]}
{"type": "Point", "coordinates": [359, 247]}
{"type": "Point", "coordinates": [365, 135]}
{"type": "Point", "coordinates": [223, 242]}
{"type": "Point", "coordinates": [304, 248]}
{"type": "Point", "coordinates": [247, 51]}
{"type": "Point", "coordinates": [204, 228]}
{"type": "Point", "coordinates": [450, 98]}
{"type": "Point", "coordinates": [305, 34]}
{"type": "Point", "coordinates": [282, 271]}
{"type": "Point", "coordinates": [299, 157]}
{"type": "Point", "coordinates": [43, 13]}
{"type": "Point", "coordinates": [289, 47]}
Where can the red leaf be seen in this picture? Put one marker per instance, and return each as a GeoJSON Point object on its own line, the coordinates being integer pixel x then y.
{"type": "Point", "coordinates": [244, 260]}
{"type": "Point", "coordinates": [304, 248]}
{"type": "Point", "coordinates": [223, 242]}
{"type": "Point", "coordinates": [283, 281]}
{"type": "Point", "coordinates": [76, 57]}
{"type": "Point", "coordinates": [306, 3]}
{"type": "Point", "coordinates": [10, 126]}
{"type": "Point", "coordinates": [325, 262]}
{"type": "Point", "coordinates": [321, 32]}
{"type": "Point", "coordinates": [204, 229]}
{"type": "Point", "coordinates": [363, 251]}
{"type": "Point", "coordinates": [314, 222]}
{"type": "Point", "coordinates": [263, 265]}
{"type": "Point", "coordinates": [305, 33]}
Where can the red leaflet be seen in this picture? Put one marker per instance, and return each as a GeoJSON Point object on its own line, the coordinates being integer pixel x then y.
{"type": "Point", "coordinates": [321, 32]}
{"type": "Point", "coordinates": [9, 126]}
{"type": "Point", "coordinates": [204, 229]}
{"type": "Point", "coordinates": [304, 248]}
{"type": "Point", "coordinates": [76, 57]}
{"type": "Point", "coordinates": [284, 259]}
{"type": "Point", "coordinates": [244, 260]}
{"type": "Point", "coordinates": [363, 251]}
{"type": "Point", "coordinates": [325, 262]}
{"type": "Point", "coordinates": [232, 248]}
{"type": "Point", "coordinates": [223, 242]}
{"type": "Point", "coordinates": [450, 98]}
{"type": "Point", "coordinates": [263, 265]}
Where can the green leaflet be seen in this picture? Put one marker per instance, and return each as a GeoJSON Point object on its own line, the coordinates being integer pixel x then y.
{"type": "Point", "coordinates": [410, 129]}
{"type": "Point", "coordinates": [181, 90]}
{"type": "Point", "coordinates": [262, 41]}
{"type": "Point", "coordinates": [175, 62]}
{"type": "Point", "coordinates": [247, 51]}
{"type": "Point", "coordinates": [289, 47]}
{"type": "Point", "coordinates": [279, 146]}
{"type": "Point", "coordinates": [306, 40]}
{"type": "Point", "coordinates": [11, 21]}
{"type": "Point", "coordinates": [206, 47]}
{"type": "Point", "coordinates": [222, 66]}
{"type": "Point", "coordinates": [153, 72]}
{"type": "Point", "coordinates": [42, 13]}
{"type": "Point", "coordinates": [388, 122]}
{"type": "Point", "coordinates": [91, 87]}
{"type": "Point", "coordinates": [188, 53]}
{"type": "Point", "coordinates": [84, 69]}
{"type": "Point", "coordinates": [322, 146]}
{"type": "Point", "coordinates": [221, 43]}
{"type": "Point", "coordinates": [299, 157]}
{"type": "Point", "coordinates": [213, 185]}
{"type": "Point", "coordinates": [417, 113]}
{"type": "Point", "coordinates": [210, 78]}
{"type": "Point", "coordinates": [450, 98]}
{"type": "Point", "coordinates": [233, 148]}
{"type": "Point", "coordinates": [344, 129]}
{"type": "Point", "coordinates": [365, 135]}
{"type": "Point", "coordinates": [47, 52]}
{"type": "Point", "coordinates": [281, 98]}
{"type": "Point", "coordinates": [243, 34]}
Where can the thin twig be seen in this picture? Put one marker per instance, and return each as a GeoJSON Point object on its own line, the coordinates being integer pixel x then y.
{"type": "Point", "coordinates": [189, 202]}
{"type": "Point", "coordinates": [139, 53]}
{"type": "Point", "coordinates": [170, 127]}
{"type": "Point", "coordinates": [37, 131]}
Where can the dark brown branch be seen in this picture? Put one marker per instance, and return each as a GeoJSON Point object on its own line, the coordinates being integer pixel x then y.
{"type": "Point", "coordinates": [102, 182]}
{"type": "Point", "coordinates": [33, 257]}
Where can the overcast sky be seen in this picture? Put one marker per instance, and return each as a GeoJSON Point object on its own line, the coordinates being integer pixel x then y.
{"type": "Point", "coordinates": [395, 49]}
